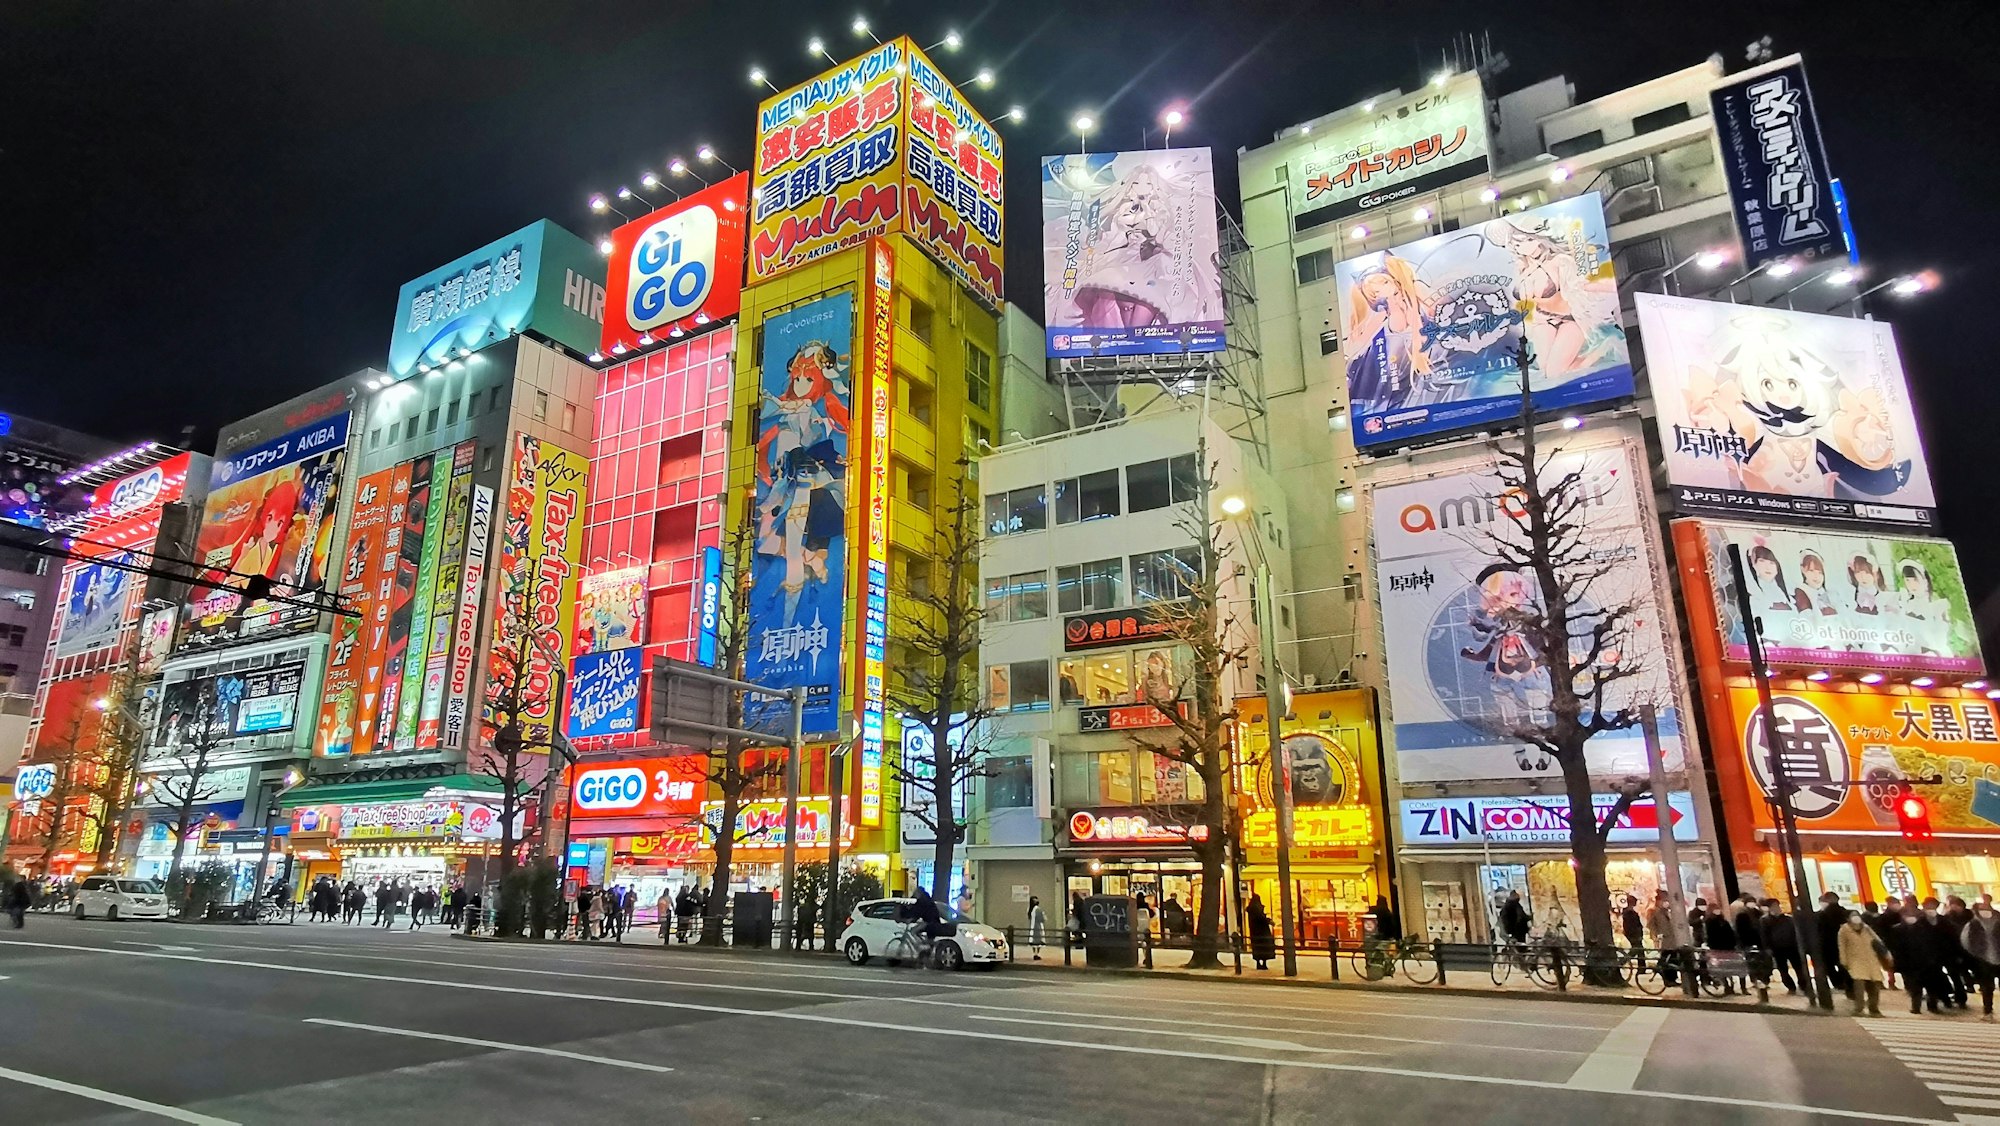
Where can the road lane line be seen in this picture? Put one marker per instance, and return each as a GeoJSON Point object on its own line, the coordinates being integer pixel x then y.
{"type": "Point", "coordinates": [807, 1017]}
{"type": "Point", "coordinates": [1238, 1041]}
{"type": "Point", "coordinates": [1615, 1065]}
{"type": "Point", "coordinates": [1980, 1104]}
{"type": "Point", "coordinates": [112, 1097]}
{"type": "Point", "coordinates": [495, 1044]}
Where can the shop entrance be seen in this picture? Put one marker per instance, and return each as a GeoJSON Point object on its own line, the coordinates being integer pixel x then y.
{"type": "Point", "coordinates": [1166, 884]}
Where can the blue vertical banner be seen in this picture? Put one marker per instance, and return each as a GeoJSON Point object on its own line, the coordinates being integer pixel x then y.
{"type": "Point", "coordinates": [1780, 191]}
{"type": "Point", "coordinates": [604, 693]}
{"type": "Point", "coordinates": [711, 604]}
{"type": "Point", "coordinates": [799, 570]}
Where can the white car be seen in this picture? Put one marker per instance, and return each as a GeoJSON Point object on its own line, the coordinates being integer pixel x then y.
{"type": "Point", "coordinates": [875, 922]}
{"type": "Point", "coordinates": [121, 898]}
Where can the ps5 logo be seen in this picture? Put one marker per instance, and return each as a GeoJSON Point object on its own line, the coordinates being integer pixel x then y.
{"type": "Point", "coordinates": [673, 268]}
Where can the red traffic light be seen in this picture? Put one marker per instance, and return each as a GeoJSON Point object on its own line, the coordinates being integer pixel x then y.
{"type": "Point", "coordinates": [1913, 817]}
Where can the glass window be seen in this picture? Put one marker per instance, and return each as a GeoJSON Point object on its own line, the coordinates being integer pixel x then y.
{"type": "Point", "coordinates": [1018, 598]}
{"type": "Point", "coordinates": [393, 427]}
{"type": "Point", "coordinates": [920, 320]}
{"type": "Point", "coordinates": [493, 399]}
{"type": "Point", "coordinates": [451, 412]}
{"type": "Point", "coordinates": [1020, 687]}
{"type": "Point", "coordinates": [375, 438]}
{"type": "Point", "coordinates": [1089, 586]}
{"type": "Point", "coordinates": [410, 430]}
{"type": "Point", "coordinates": [1096, 680]}
{"type": "Point", "coordinates": [1010, 783]}
{"type": "Point", "coordinates": [1157, 484]}
{"type": "Point", "coordinates": [541, 406]}
{"type": "Point", "coordinates": [1163, 576]}
{"type": "Point", "coordinates": [1021, 510]}
{"type": "Point", "coordinates": [1314, 265]}
{"type": "Point", "coordinates": [978, 376]}
{"type": "Point", "coordinates": [1088, 497]}
{"type": "Point", "coordinates": [431, 421]}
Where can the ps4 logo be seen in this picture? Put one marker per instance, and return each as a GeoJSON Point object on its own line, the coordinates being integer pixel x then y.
{"type": "Point", "coordinates": [673, 268]}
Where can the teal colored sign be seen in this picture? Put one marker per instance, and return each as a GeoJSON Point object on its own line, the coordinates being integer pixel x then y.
{"type": "Point", "coordinates": [540, 277]}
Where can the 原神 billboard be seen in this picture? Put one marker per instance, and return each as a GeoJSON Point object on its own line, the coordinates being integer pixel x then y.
{"type": "Point", "coordinates": [611, 610]}
{"type": "Point", "coordinates": [1430, 330]}
{"type": "Point", "coordinates": [269, 513]}
{"type": "Point", "coordinates": [1130, 255]}
{"type": "Point", "coordinates": [1393, 151]}
{"type": "Point", "coordinates": [798, 576]}
{"type": "Point", "coordinates": [1456, 617]}
{"type": "Point", "coordinates": [1779, 413]}
{"type": "Point", "coordinates": [1845, 601]}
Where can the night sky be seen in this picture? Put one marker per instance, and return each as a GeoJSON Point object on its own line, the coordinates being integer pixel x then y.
{"type": "Point", "coordinates": [211, 206]}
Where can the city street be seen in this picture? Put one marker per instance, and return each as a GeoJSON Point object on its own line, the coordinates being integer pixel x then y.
{"type": "Point", "coordinates": [133, 1022]}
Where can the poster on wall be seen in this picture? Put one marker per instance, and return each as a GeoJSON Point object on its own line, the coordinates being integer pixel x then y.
{"type": "Point", "coordinates": [541, 547]}
{"type": "Point", "coordinates": [611, 610]}
{"type": "Point", "coordinates": [465, 629]}
{"type": "Point", "coordinates": [93, 604]}
{"type": "Point", "coordinates": [401, 595]}
{"type": "Point", "coordinates": [798, 573]}
{"type": "Point", "coordinates": [1393, 150]}
{"type": "Point", "coordinates": [156, 639]}
{"type": "Point", "coordinates": [604, 693]}
{"type": "Point", "coordinates": [1464, 670]}
{"type": "Point", "coordinates": [443, 594]}
{"type": "Point", "coordinates": [270, 513]}
{"type": "Point", "coordinates": [350, 668]}
{"type": "Point", "coordinates": [1781, 192]}
{"type": "Point", "coordinates": [1778, 413]}
{"type": "Point", "coordinates": [1131, 259]}
{"type": "Point", "coordinates": [1429, 330]}
{"type": "Point", "coordinates": [1841, 600]}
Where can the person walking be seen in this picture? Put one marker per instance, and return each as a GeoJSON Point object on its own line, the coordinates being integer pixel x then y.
{"type": "Point", "coordinates": [1883, 923]}
{"type": "Point", "coordinates": [382, 898]}
{"type": "Point", "coordinates": [1979, 938]}
{"type": "Point", "coordinates": [666, 909]}
{"type": "Point", "coordinates": [1719, 935]}
{"type": "Point", "coordinates": [472, 902]}
{"type": "Point", "coordinates": [1075, 923]}
{"type": "Point", "coordinates": [1917, 946]}
{"type": "Point", "coordinates": [1038, 922]}
{"type": "Point", "coordinates": [1958, 966]}
{"type": "Point", "coordinates": [684, 906]}
{"type": "Point", "coordinates": [585, 899]}
{"type": "Point", "coordinates": [1263, 944]}
{"type": "Point", "coordinates": [1664, 923]}
{"type": "Point", "coordinates": [1827, 922]}
{"type": "Point", "coordinates": [16, 901]}
{"type": "Point", "coordinates": [1780, 940]}
{"type": "Point", "coordinates": [1865, 955]}
{"type": "Point", "coordinates": [1631, 925]}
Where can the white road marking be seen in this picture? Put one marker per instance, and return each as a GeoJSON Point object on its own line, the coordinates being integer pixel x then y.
{"type": "Point", "coordinates": [1982, 1104]}
{"type": "Point", "coordinates": [171, 949]}
{"type": "Point", "coordinates": [496, 1044]}
{"type": "Point", "coordinates": [1615, 1065]}
{"type": "Point", "coordinates": [1966, 1088]}
{"type": "Point", "coordinates": [807, 1017]}
{"type": "Point", "coordinates": [1239, 1041]}
{"type": "Point", "coordinates": [112, 1097]}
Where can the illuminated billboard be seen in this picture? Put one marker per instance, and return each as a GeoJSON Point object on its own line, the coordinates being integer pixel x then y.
{"type": "Point", "coordinates": [541, 548]}
{"type": "Point", "coordinates": [677, 268]}
{"type": "Point", "coordinates": [1773, 413]}
{"type": "Point", "coordinates": [1781, 192]}
{"type": "Point", "coordinates": [353, 676]}
{"type": "Point", "coordinates": [1429, 330]}
{"type": "Point", "coordinates": [611, 610]}
{"type": "Point", "coordinates": [954, 178]}
{"type": "Point", "coordinates": [1131, 259]}
{"type": "Point", "coordinates": [1392, 150]}
{"type": "Point", "coordinates": [541, 277]}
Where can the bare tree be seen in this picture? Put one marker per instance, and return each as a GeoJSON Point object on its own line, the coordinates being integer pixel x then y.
{"type": "Point", "coordinates": [1580, 629]}
{"type": "Point", "coordinates": [73, 762]}
{"type": "Point", "coordinates": [512, 700]}
{"type": "Point", "coordinates": [939, 611]}
{"type": "Point", "coordinates": [193, 741]}
{"type": "Point", "coordinates": [113, 782]}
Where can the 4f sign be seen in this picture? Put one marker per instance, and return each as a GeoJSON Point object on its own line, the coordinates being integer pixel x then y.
{"type": "Point", "coordinates": [673, 268]}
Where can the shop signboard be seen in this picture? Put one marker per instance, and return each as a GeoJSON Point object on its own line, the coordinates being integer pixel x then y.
{"type": "Point", "coordinates": [1781, 193]}
{"type": "Point", "coordinates": [1128, 827]}
{"type": "Point", "coordinates": [236, 705]}
{"type": "Point", "coordinates": [34, 781]}
{"type": "Point", "coordinates": [465, 631]}
{"type": "Point", "coordinates": [269, 513]}
{"type": "Point", "coordinates": [156, 639]}
{"type": "Point", "coordinates": [760, 823]}
{"type": "Point", "coordinates": [611, 610]}
{"type": "Point", "coordinates": [1844, 600]}
{"type": "Point", "coordinates": [350, 700]}
{"type": "Point", "coordinates": [437, 820]}
{"type": "Point", "coordinates": [871, 688]}
{"type": "Point", "coordinates": [656, 787]}
{"type": "Point", "coordinates": [1770, 413]}
{"type": "Point", "coordinates": [1464, 671]}
{"type": "Point", "coordinates": [441, 622]}
{"type": "Point", "coordinates": [953, 179]}
{"type": "Point", "coordinates": [1430, 329]}
{"type": "Point", "coordinates": [400, 595]}
{"type": "Point", "coordinates": [711, 604]}
{"type": "Point", "coordinates": [1395, 149]}
{"type": "Point", "coordinates": [1131, 263]}
{"type": "Point", "coordinates": [1884, 741]}
{"type": "Point", "coordinates": [1536, 819]}
{"type": "Point", "coordinates": [604, 693]}
{"type": "Point", "coordinates": [422, 598]}
{"type": "Point", "coordinates": [1106, 629]}
{"type": "Point", "coordinates": [1122, 717]}
{"type": "Point", "coordinates": [541, 548]}
{"type": "Point", "coordinates": [677, 268]}
{"type": "Point", "coordinates": [93, 606]}
{"type": "Point", "coordinates": [798, 575]}
{"type": "Point", "coordinates": [541, 277]}
{"type": "Point", "coordinates": [1344, 833]}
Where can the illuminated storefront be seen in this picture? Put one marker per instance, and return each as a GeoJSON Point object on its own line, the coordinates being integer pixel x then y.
{"type": "Point", "coordinates": [431, 833]}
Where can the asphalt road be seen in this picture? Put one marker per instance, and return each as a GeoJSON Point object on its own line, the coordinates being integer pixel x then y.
{"type": "Point", "coordinates": [144, 1022]}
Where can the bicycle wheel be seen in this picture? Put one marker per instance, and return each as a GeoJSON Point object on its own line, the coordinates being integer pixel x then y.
{"type": "Point", "coordinates": [1542, 968]}
{"type": "Point", "coordinates": [1503, 963]}
{"type": "Point", "coordinates": [1361, 967]}
{"type": "Point", "coordinates": [1645, 976]}
{"type": "Point", "coordinates": [1420, 963]}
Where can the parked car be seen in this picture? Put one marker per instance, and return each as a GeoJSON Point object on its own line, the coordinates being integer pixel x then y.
{"type": "Point", "coordinates": [872, 924]}
{"type": "Point", "coordinates": [121, 898]}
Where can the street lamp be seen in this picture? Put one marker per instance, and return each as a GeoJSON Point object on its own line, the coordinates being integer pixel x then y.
{"type": "Point", "coordinates": [952, 41]}
{"type": "Point", "coordinates": [984, 78]}
{"type": "Point", "coordinates": [817, 46]}
{"type": "Point", "coordinates": [1081, 125]}
{"type": "Point", "coordinates": [1016, 113]}
{"type": "Point", "coordinates": [679, 167]}
{"type": "Point", "coordinates": [1171, 119]}
{"type": "Point", "coordinates": [1708, 260]}
{"type": "Point", "coordinates": [628, 193]}
{"type": "Point", "coordinates": [600, 205]}
{"type": "Point", "coordinates": [758, 78]}
{"type": "Point", "coordinates": [861, 28]}
{"type": "Point", "coordinates": [706, 154]}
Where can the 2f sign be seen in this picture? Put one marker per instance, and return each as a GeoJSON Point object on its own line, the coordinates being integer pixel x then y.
{"type": "Point", "coordinates": [673, 268]}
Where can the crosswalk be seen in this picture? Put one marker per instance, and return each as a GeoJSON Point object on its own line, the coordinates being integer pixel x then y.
{"type": "Point", "coordinates": [1958, 1059]}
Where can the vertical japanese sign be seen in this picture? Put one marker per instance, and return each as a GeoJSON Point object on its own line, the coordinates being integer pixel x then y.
{"type": "Point", "coordinates": [798, 576]}
{"type": "Point", "coordinates": [875, 637]}
{"type": "Point", "coordinates": [350, 660]}
{"type": "Point", "coordinates": [444, 595]}
{"type": "Point", "coordinates": [402, 599]}
{"type": "Point", "coordinates": [1780, 191]}
{"type": "Point", "coordinates": [711, 604]}
{"type": "Point", "coordinates": [380, 623]}
{"type": "Point", "coordinates": [828, 162]}
{"type": "Point", "coordinates": [953, 177]}
{"type": "Point", "coordinates": [1391, 152]}
{"type": "Point", "coordinates": [416, 659]}
{"type": "Point", "coordinates": [541, 546]}
{"type": "Point", "coordinates": [465, 631]}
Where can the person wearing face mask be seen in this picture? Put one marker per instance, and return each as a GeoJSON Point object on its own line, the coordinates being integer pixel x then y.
{"type": "Point", "coordinates": [1863, 952]}
{"type": "Point", "coordinates": [1980, 939]}
{"type": "Point", "coordinates": [1918, 945]}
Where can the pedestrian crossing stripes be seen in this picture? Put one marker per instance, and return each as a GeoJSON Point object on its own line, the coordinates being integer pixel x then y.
{"type": "Point", "coordinates": [1956, 1060]}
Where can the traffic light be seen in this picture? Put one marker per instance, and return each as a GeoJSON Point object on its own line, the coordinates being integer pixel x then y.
{"type": "Point", "coordinates": [1913, 817]}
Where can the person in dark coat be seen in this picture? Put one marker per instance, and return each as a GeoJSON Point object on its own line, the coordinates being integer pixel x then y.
{"type": "Point", "coordinates": [1884, 924]}
{"type": "Point", "coordinates": [1514, 919]}
{"type": "Point", "coordinates": [1388, 928]}
{"type": "Point", "coordinates": [1780, 939]}
{"type": "Point", "coordinates": [1263, 942]}
{"type": "Point", "coordinates": [1957, 968]}
{"type": "Point", "coordinates": [1631, 924]}
{"type": "Point", "coordinates": [1828, 920]}
{"type": "Point", "coordinates": [1717, 934]}
{"type": "Point", "coordinates": [1698, 922]}
{"type": "Point", "coordinates": [1917, 944]}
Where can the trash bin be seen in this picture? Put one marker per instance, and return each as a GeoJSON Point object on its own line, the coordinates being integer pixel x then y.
{"type": "Point", "coordinates": [752, 923]}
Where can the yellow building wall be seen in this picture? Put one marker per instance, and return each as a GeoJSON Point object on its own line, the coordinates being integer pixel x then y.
{"type": "Point", "coordinates": [936, 320]}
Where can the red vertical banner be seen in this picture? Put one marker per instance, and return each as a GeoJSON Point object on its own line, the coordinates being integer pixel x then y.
{"type": "Point", "coordinates": [340, 708]}
{"type": "Point", "coordinates": [375, 627]}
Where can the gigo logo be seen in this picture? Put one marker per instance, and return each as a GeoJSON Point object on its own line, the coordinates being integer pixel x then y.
{"type": "Point", "coordinates": [621, 788]}
{"type": "Point", "coordinates": [135, 493]}
{"type": "Point", "coordinates": [673, 268]}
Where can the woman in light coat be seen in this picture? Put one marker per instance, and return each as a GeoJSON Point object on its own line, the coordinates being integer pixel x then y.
{"type": "Point", "coordinates": [1862, 953]}
{"type": "Point", "coordinates": [1038, 925]}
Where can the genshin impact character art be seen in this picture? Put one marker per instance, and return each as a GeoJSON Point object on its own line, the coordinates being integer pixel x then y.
{"type": "Point", "coordinates": [1805, 434]}
{"type": "Point", "coordinates": [801, 463]}
{"type": "Point", "coordinates": [1388, 310]}
{"type": "Point", "coordinates": [1520, 678]}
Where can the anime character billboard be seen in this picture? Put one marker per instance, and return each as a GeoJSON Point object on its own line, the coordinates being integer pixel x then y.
{"type": "Point", "coordinates": [1429, 330]}
{"type": "Point", "coordinates": [1840, 600]}
{"type": "Point", "coordinates": [799, 570]}
{"type": "Point", "coordinates": [1780, 413]}
{"type": "Point", "coordinates": [93, 606]}
{"type": "Point", "coordinates": [1130, 254]}
{"type": "Point", "coordinates": [1456, 612]}
{"type": "Point", "coordinates": [611, 610]}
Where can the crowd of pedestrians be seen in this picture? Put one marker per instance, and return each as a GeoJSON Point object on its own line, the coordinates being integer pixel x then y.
{"type": "Point", "coordinates": [330, 901]}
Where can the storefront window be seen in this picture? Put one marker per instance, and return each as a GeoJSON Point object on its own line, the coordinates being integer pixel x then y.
{"type": "Point", "coordinates": [1095, 680]}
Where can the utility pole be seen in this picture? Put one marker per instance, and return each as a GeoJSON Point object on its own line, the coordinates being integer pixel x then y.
{"type": "Point", "coordinates": [1281, 764]}
{"type": "Point", "coordinates": [791, 915]}
{"type": "Point", "coordinates": [836, 779]}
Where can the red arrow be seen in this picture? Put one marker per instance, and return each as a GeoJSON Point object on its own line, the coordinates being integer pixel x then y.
{"type": "Point", "coordinates": [1647, 816]}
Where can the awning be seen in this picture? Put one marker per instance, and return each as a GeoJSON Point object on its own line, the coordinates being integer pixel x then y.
{"type": "Point", "coordinates": [372, 793]}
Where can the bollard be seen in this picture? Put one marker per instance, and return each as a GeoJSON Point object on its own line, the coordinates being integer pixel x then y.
{"type": "Point", "coordinates": [1562, 969]}
{"type": "Point", "coordinates": [1333, 956]}
{"type": "Point", "coordinates": [1010, 942]}
{"type": "Point", "coordinates": [1066, 948]}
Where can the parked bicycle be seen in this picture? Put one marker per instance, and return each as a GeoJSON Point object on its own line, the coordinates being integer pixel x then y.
{"type": "Point", "coordinates": [1376, 959]}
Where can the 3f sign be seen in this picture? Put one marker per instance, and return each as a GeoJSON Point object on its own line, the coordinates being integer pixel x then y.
{"type": "Point", "coordinates": [673, 268]}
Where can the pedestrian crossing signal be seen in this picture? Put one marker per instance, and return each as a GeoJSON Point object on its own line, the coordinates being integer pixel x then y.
{"type": "Point", "coordinates": [1913, 817]}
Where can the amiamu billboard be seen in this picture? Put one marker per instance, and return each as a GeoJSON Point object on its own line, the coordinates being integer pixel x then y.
{"type": "Point", "coordinates": [541, 277]}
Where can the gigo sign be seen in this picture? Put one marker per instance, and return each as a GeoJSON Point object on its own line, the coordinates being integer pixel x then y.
{"type": "Point", "coordinates": [622, 788]}
{"type": "Point", "coordinates": [677, 268]}
{"type": "Point", "coordinates": [640, 788]}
